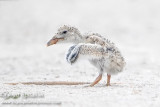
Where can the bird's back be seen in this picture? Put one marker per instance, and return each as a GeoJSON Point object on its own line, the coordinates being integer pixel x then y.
{"type": "Point", "coordinates": [115, 61]}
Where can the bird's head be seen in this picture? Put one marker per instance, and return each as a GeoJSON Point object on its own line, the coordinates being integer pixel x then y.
{"type": "Point", "coordinates": [66, 34]}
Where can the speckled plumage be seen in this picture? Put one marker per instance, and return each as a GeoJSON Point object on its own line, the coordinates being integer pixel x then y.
{"type": "Point", "coordinates": [102, 53]}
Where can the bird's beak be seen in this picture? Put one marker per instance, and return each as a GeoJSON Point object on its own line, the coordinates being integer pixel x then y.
{"type": "Point", "coordinates": [52, 41]}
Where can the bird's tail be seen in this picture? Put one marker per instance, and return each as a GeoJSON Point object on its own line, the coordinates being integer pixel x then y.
{"type": "Point", "coordinates": [72, 54]}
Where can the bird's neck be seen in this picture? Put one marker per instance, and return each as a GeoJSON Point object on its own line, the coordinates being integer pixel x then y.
{"type": "Point", "coordinates": [78, 38]}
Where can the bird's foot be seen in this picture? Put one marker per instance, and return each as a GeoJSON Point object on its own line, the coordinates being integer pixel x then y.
{"type": "Point", "coordinates": [108, 84]}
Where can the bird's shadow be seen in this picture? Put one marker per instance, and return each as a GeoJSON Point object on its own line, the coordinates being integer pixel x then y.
{"type": "Point", "coordinates": [120, 85]}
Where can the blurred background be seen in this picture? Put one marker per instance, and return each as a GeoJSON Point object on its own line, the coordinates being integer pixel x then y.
{"type": "Point", "coordinates": [35, 21]}
{"type": "Point", "coordinates": [27, 25]}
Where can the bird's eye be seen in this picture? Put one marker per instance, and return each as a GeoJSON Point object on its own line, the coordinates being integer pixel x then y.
{"type": "Point", "coordinates": [64, 32]}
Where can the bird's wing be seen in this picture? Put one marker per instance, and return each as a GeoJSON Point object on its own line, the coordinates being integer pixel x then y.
{"type": "Point", "coordinates": [92, 51]}
{"type": "Point", "coordinates": [72, 54]}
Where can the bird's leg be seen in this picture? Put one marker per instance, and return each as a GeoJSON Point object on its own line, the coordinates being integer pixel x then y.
{"type": "Point", "coordinates": [96, 80]}
{"type": "Point", "coordinates": [108, 79]}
